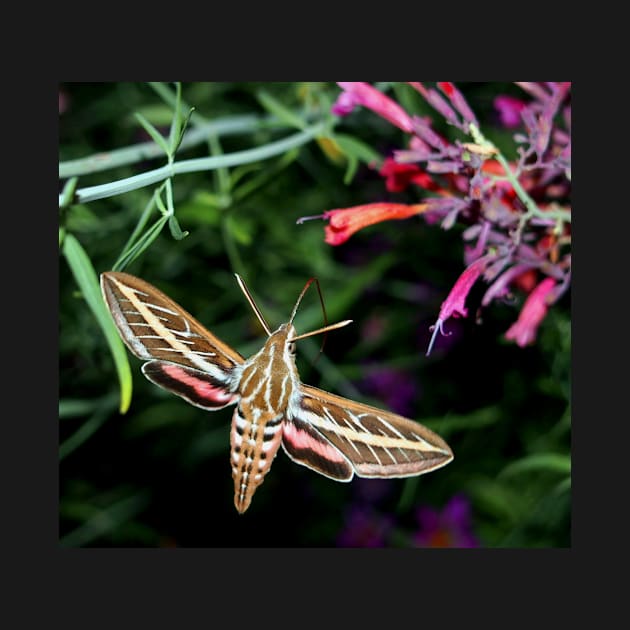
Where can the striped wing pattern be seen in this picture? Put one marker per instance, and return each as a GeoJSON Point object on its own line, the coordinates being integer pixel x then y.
{"type": "Point", "coordinates": [183, 356]}
{"type": "Point", "coordinates": [357, 438]}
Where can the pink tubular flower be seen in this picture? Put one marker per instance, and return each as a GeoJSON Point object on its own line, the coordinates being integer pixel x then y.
{"type": "Point", "coordinates": [361, 93]}
{"type": "Point", "coordinates": [458, 100]}
{"type": "Point", "coordinates": [453, 305]}
{"type": "Point", "coordinates": [509, 110]}
{"type": "Point", "coordinates": [344, 222]}
{"type": "Point", "coordinates": [523, 330]}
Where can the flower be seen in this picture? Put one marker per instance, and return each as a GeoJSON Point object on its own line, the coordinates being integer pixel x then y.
{"type": "Point", "coordinates": [509, 109]}
{"type": "Point", "coordinates": [344, 222]}
{"type": "Point", "coordinates": [361, 93]}
{"type": "Point", "coordinates": [450, 527]}
{"type": "Point", "coordinates": [364, 528]}
{"type": "Point", "coordinates": [453, 305]}
{"type": "Point", "coordinates": [523, 330]}
{"type": "Point", "coordinates": [399, 176]}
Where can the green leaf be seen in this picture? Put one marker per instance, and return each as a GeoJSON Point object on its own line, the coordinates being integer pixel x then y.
{"type": "Point", "coordinates": [478, 419]}
{"type": "Point", "coordinates": [274, 106]}
{"type": "Point", "coordinates": [176, 231]}
{"type": "Point", "coordinates": [73, 407]}
{"type": "Point", "coordinates": [355, 148]}
{"type": "Point", "coordinates": [241, 230]}
{"type": "Point", "coordinates": [154, 133]}
{"type": "Point", "coordinates": [67, 195]}
{"type": "Point", "coordinates": [143, 242]}
{"type": "Point", "coordinates": [88, 428]}
{"type": "Point", "coordinates": [539, 462]}
{"type": "Point", "coordinates": [104, 521]}
{"type": "Point", "coordinates": [174, 137]}
{"type": "Point", "coordinates": [351, 170]}
{"type": "Point", "coordinates": [85, 276]}
{"type": "Point", "coordinates": [497, 499]}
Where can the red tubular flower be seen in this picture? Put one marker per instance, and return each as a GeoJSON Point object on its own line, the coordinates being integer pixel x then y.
{"type": "Point", "coordinates": [399, 176]}
{"type": "Point", "coordinates": [523, 330]}
{"type": "Point", "coordinates": [344, 222]}
{"type": "Point", "coordinates": [361, 93]}
{"type": "Point", "coordinates": [453, 305]}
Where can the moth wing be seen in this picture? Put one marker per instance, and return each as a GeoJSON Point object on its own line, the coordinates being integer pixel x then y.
{"type": "Point", "coordinates": [183, 356]}
{"type": "Point", "coordinates": [374, 442]}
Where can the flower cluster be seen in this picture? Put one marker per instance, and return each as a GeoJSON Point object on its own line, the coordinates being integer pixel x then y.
{"type": "Point", "coordinates": [366, 525]}
{"type": "Point", "coordinates": [517, 215]}
{"type": "Point", "coordinates": [449, 527]}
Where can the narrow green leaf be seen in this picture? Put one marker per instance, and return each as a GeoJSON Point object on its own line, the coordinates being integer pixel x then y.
{"type": "Point", "coordinates": [176, 231]}
{"type": "Point", "coordinates": [176, 124]}
{"type": "Point", "coordinates": [142, 221]}
{"type": "Point", "coordinates": [241, 231]}
{"type": "Point", "coordinates": [153, 132]}
{"type": "Point", "coordinates": [478, 419]}
{"type": "Point", "coordinates": [266, 175]}
{"type": "Point", "coordinates": [355, 148]}
{"type": "Point", "coordinates": [143, 242]}
{"type": "Point", "coordinates": [85, 276]}
{"type": "Point", "coordinates": [67, 194]}
{"type": "Point", "coordinates": [73, 407]}
{"type": "Point", "coordinates": [351, 170]}
{"type": "Point", "coordinates": [563, 486]}
{"type": "Point", "coordinates": [541, 462]}
{"type": "Point", "coordinates": [106, 520]}
{"type": "Point", "coordinates": [497, 499]}
{"type": "Point", "coordinates": [284, 114]}
{"type": "Point", "coordinates": [86, 430]}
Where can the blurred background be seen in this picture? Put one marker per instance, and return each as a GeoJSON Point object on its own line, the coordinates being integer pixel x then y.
{"type": "Point", "coordinates": [159, 474]}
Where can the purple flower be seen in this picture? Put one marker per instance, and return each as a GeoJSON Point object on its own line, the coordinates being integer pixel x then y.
{"type": "Point", "coordinates": [450, 527]}
{"type": "Point", "coordinates": [509, 109]}
{"type": "Point", "coordinates": [364, 528]}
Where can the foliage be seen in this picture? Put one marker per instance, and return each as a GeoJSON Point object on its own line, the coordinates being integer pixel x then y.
{"type": "Point", "coordinates": [185, 185]}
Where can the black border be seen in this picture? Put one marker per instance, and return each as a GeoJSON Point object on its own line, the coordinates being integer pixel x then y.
{"type": "Point", "coordinates": [502, 585]}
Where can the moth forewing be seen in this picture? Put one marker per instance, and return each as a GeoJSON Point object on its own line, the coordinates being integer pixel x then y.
{"type": "Point", "coordinates": [182, 356]}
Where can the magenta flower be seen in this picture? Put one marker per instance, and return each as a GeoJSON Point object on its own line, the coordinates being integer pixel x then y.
{"type": "Point", "coordinates": [453, 305]}
{"type": "Point", "coordinates": [509, 109]}
{"type": "Point", "coordinates": [364, 528]}
{"type": "Point", "coordinates": [450, 527]}
{"type": "Point", "coordinates": [523, 330]}
{"type": "Point", "coordinates": [361, 93]}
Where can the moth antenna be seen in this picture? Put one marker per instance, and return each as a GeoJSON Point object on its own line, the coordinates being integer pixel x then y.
{"type": "Point", "coordinates": [250, 299]}
{"type": "Point", "coordinates": [325, 329]}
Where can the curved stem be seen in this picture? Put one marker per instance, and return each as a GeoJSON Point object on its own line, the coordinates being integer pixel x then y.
{"type": "Point", "coordinates": [128, 184]}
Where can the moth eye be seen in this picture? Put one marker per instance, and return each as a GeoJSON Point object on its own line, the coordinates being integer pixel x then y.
{"type": "Point", "coordinates": [292, 347]}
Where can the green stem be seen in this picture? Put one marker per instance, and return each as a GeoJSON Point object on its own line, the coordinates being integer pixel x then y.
{"type": "Point", "coordinates": [128, 184]}
{"type": "Point", "coordinates": [149, 150]}
{"type": "Point", "coordinates": [561, 216]}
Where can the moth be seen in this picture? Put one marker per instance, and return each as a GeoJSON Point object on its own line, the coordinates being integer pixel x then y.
{"type": "Point", "coordinates": [333, 436]}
